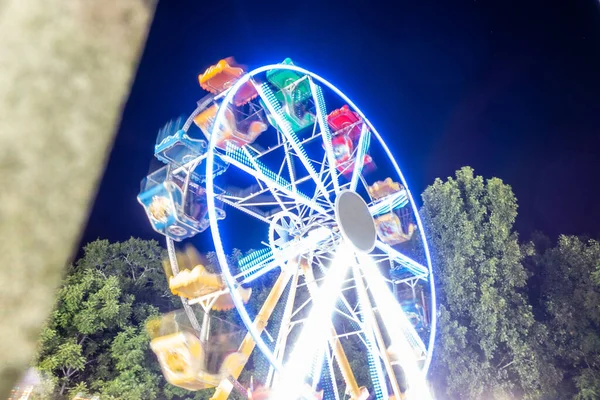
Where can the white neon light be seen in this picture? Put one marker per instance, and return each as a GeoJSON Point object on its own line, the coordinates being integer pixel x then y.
{"type": "Point", "coordinates": [313, 336]}
{"type": "Point", "coordinates": [403, 260]}
{"type": "Point", "coordinates": [359, 160]}
{"type": "Point", "coordinates": [406, 344]}
{"type": "Point", "coordinates": [241, 160]}
{"type": "Point", "coordinates": [389, 203]}
{"type": "Point", "coordinates": [271, 102]}
{"type": "Point", "coordinates": [291, 250]}
{"type": "Point", "coordinates": [375, 363]}
{"type": "Point", "coordinates": [317, 94]}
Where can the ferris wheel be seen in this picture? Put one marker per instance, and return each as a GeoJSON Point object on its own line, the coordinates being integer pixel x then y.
{"type": "Point", "coordinates": [281, 160]}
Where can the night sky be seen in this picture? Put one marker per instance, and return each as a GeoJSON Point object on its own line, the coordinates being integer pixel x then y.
{"type": "Point", "coordinates": [509, 88]}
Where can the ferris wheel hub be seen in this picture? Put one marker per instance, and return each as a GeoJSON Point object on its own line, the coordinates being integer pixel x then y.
{"type": "Point", "coordinates": [355, 221]}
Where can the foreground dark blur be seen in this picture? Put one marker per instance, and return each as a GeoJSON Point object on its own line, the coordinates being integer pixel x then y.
{"type": "Point", "coordinates": [66, 71]}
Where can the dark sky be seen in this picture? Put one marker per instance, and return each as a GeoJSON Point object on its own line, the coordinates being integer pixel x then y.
{"type": "Point", "coordinates": [511, 88]}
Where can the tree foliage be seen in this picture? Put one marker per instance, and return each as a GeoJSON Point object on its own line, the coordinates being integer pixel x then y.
{"type": "Point", "coordinates": [89, 306]}
{"type": "Point", "coordinates": [487, 337]}
{"type": "Point", "coordinates": [568, 280]}
{"type": "Point", "coordinates": [94, 340]}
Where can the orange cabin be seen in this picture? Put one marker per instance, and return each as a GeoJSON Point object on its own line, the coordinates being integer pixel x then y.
{"type": "Point", "coordinates": [381, 189]}
{"type": "Point", "coordinates": [221, 76]}
{"type": "Point", "coordinates": [390, 229]}
{"type": "Point", "coordinates": [229, 133]}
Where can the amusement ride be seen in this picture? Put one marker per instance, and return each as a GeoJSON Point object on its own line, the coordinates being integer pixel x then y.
{"type": "Point", "coordinates": [336, 298]}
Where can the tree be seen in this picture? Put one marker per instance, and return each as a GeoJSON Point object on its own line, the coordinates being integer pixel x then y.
{"type": "Point", "coordinates": [89, 306]}
{"type": "Point", "coordinates": [94, 340]}
{"type": "Point", "coordinates": [136, 377]}
{"type": "Point", "coordinates": [487, 341]}
{"type": "Point", "coordinates": [568, 277]}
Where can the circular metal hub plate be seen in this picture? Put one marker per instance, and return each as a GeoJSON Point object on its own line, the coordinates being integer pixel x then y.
{"type": "Point", "coordinates": [355, 221]}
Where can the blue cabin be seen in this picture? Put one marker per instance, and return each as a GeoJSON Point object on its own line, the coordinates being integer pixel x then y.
{"type": "Point", "coordinates": [415, 313]}
{"type": "Point", "coordinates": [174, 146]}
{"type": "Point", "coordinates": [175, 213]}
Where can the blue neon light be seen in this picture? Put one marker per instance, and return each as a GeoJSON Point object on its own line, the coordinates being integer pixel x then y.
{"type": "Point", "coordinates": [375, 370]}
{"type": "Point", "coordinates": [240, 156]}
{"type": "Point", "coordinates": [321, 113]}
{"type": "Point", "coordinates": [253, 259]}
{"type": "Point", "coordinates": [389, 203]}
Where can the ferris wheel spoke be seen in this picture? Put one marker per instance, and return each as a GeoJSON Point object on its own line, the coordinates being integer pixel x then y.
{"type": "Point", "coordinates": [317, 368]}
{"type": "Point", "coordinates": [343, 307]}
{"type": "Point", "coordinates": [259, 324]}
{"type": "Point", "coordinates": [274, 109]}
{"type": "Point", "coordinates": [284, 327]}
{"type": "Point", "coordinates": [411, 265]}
{"type": "Point", "coordinates": [407, 348]}
{"type": "Point", "coordinates": [397, 323]}
{"type": "Point", "coordinates": [249, 209]}
{"type": "Point", "coordinates": [326, 175]}
{"type": "Point", "coordinates": [260, 262]}
{"type": "Point", "coordinates": [335, 345]}
{"type": "Point", "coordinates": [256, 166]}
{"type": "Point", "coordinates": [240, 160]}
{"type": "Point", "coordinates": [258, 200]}
{"type": "Point", "coordinates": [323, 300]}
{"type": "Point", "coordinates": [321, 112]}
{"type": "Point", "coordinates": [250, 271]}
{"type": "Point", "coordinates": [361, 151]}
{"type": "Point", "coordinates": [308, 212]}
{"type": "Point", "coordinates": [389, 203]}
{"type": "Point", "coordinates": [291, 167]}
{"type": "Point", "coordinates": [374, 341]}
{"type": "Point", "coordinates": [334, 388]}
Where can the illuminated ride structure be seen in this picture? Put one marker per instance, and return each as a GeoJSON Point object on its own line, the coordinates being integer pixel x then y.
{"type": "Point", "coordinates": [282, 155]}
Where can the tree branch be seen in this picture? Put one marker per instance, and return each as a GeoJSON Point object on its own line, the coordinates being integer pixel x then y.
{"type": "Point", "coordinates": [82, 340]}
{"type": "Point", "coordinates": [505, 366]}
{"type": "Point", "coordinates": [146, 269]}
{"type": "Point", "coordinates": [501, 361]}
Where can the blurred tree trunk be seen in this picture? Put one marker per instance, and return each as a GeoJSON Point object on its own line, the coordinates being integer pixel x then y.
{"type": "Point", "coordinates": [65, 73]}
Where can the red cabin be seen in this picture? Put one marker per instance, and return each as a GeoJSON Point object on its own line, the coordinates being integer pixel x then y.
{"type": "Point", "coordinates": [345, 121]}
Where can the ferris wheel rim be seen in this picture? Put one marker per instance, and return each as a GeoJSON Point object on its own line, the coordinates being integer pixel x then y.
{"type": "Point", "coordinates": [212, 213]}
